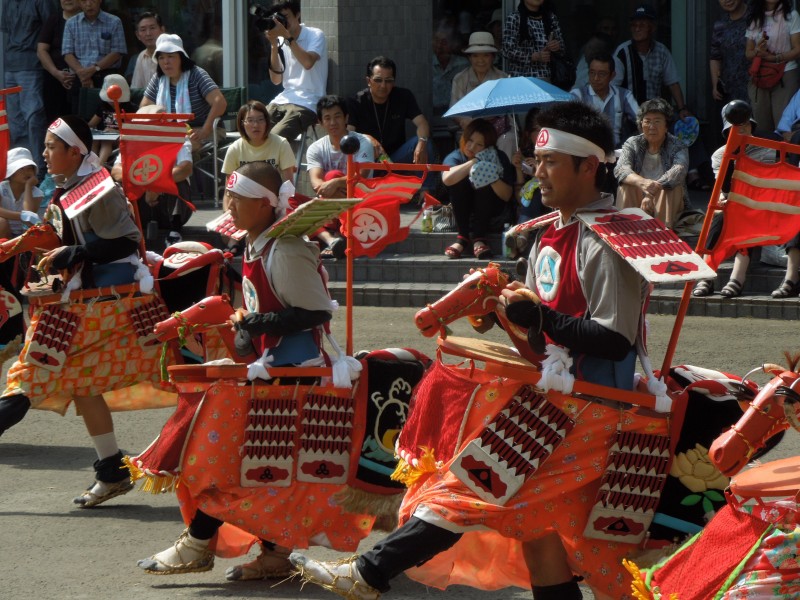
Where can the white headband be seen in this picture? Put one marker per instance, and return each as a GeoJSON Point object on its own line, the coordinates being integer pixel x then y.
{"type": "Point", "coordinates": [64, 131]}
{"type": "Point", "coordinates": [568, 143]}
{"type": "Point", "coordinates": [246, 187]}
{"type": "Point", "coordinates": [91, 162]}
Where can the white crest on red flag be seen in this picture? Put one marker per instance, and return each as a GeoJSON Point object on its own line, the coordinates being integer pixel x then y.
{"type": "Point", "coordinates": [376, 220]}
{"type": "Point", "coordinates": [149, 151]}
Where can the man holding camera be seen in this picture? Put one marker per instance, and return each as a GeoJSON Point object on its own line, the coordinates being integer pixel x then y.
{"type": "Point", "coordinates": [299, 62]}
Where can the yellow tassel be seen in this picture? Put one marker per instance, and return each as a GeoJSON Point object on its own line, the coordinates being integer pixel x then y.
{"type": "Point", "coordinates": [155, 484]}
{"type": "Point", "coordinates": [638, 586]}
{"type": "Point", "coordinates": [409, 475]}
{"type": "Point", "coordinates": [11, 349]}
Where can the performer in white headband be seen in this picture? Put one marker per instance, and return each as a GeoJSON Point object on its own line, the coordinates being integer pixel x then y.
{"type": "Point", "coordinates": [91, 162]}
{"type": "Point", "coordinates": [568, 143]}
{"type": "Point", "coordinates": [247, 188]}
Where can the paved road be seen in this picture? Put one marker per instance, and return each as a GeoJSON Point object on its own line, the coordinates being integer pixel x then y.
{"type": "Point", "coordinates": [51, 550]}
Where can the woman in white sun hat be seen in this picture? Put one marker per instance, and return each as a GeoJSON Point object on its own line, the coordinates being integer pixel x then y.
{"type": "Point", "coordinates": [182, 87]}
{"type": "Point", "coordinates": [19, 196]}
{"type": "Point", "coordinates": [481, 53]}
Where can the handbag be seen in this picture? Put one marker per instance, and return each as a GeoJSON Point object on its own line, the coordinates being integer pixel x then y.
{"type": "Point", "coordinates": [765, 75]}
{"type": "Point", "coordinates": [444, 220]}
{"type": "Point", "coordinates": [562, 71]}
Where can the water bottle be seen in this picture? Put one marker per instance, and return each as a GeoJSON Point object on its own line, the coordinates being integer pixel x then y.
{"type": "Point", "coordinates": [427, 221]}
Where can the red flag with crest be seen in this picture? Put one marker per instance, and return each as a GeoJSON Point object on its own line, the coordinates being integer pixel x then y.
{"type": "Point", "coordinates": [763, 208]}
{"type": "Point", "coordinates": [376, 220]}
{"type": "Point", "coordinates": [149, 150]}
{"type": "Point", "coordinates": [5, 136]}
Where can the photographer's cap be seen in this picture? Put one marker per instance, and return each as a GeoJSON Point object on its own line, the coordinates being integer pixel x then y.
{"type": "Point", "coordinates": [18, 158]}
{"type": "Point", "coordinates": [119, 81]}
{"type": "Point", "coordinates": [644, 11]}
{"type": "Point", "coordinates": [169, 42]}
{"type": "Point", "coordinates": [481, 42]}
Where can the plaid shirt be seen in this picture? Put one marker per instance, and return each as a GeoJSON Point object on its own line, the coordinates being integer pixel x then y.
{"type": "Point", "coordinates": [518, 54]}
{"type": "Point", "coordinates": [644, 75]}
{"type": "Point", "coordinates": [91, 41]}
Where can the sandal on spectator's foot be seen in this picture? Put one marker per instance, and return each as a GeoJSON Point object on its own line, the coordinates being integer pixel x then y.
{"type": "Point", "coordinates": [788, 289]}
{"type": "Point", "coordinates": [456, 249]}
{"type": "Point", "coordinates": [704, 287]}
{"type": "Point", "coordinates": [481, 250]}
{"type": "Point", "coordinates": [270, 564]}
{"type": "Point", "coordinates": [337, 247]}
{"type": "Point", "coordinates": [732, 289]}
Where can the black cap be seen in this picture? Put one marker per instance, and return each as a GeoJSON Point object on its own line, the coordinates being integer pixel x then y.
{"type": "Point", "coordinates": [644, 11]}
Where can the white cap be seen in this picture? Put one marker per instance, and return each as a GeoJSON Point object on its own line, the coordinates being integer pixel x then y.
{"type": "Point", "coordinates": [169, 42]}
{"type": "Point", "coordinates": [18, 158]}
{"type": "Point", "coordinates": [117, 80]}
{"type": "Point", "coordinates": [480, 42]}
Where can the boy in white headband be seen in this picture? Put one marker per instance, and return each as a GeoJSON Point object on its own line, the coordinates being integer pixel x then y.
{"type": "Point", "coordinates": [286, 305]}
{"type": "Point", "coordinates": [102, 353]}
{"type": "Point", "coordinates": [572, 152]}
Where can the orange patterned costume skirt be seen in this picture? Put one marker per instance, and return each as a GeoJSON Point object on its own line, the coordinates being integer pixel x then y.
{"type": "Point", "coordinates": [84, 349]}
{"type": "Point", "coordinates": [268, 460]}
{"type": "Point", "coordinates": [558, 496]}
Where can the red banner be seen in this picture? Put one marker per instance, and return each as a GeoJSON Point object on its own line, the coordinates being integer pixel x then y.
{"type": "Point", "coordinates": [149, 153]}
{"type": "Point", "coordinates": [376, 220]}
{"type": "Point", "coordinates": [763, 208]}
{"type": "Point", "coordinates": [5, 137]}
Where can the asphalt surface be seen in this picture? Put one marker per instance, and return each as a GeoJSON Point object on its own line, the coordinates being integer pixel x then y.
{"type": "Point", "coordinates": [51, 550]}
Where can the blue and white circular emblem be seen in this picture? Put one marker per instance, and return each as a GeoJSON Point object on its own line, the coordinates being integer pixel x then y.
{"type": "Point", "coordinates": [548, 273]}
{"type": "Point", "coordinates": [250, 295]}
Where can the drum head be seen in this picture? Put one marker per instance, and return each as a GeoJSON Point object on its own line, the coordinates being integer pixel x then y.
{"type": "Point", "coordinates": [780, 478]}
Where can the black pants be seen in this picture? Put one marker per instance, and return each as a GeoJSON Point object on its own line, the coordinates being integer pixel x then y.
{"type": "Point", "coordinates": [12, 410]}
{"type": "Point", "coordinates": [204, 526]}
{"type": "Point", "coordinates": [475, 209]}
{"type": "Point", "coordinates": [413, 544]}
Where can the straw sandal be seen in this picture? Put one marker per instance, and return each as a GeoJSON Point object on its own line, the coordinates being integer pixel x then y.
{"type": "Point", "coordinates": [89, 499]}
{"type": "Point", "coordinates": [270, 564]}
{"type": "Point", "coordinates": [341, 577]}
{"type": "Point", "coordinates": [205, 562]}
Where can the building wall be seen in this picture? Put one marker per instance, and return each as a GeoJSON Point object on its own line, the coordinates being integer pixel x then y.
{"type": "Point", "coordinates": [358, 31]}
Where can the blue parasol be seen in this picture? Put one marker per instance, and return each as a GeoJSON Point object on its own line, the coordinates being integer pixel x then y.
{"type": "Point", "coordinates": [508, 95]}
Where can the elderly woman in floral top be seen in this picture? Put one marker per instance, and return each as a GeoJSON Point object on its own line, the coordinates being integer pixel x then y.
{"type": "Point", "coordinates": [652, 168]}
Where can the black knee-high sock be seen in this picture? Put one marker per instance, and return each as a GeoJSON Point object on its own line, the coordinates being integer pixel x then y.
{"type": "Point", "coordinates": [569, 590]}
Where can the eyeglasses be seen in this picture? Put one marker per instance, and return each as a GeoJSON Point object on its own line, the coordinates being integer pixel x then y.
{"type": "Point", "coordinates": [254, 121]}
{"type": "Point", "coordinates": [599, 74]}
{"type": "Point", "coordinates": [653, 122]}
{"type": "Point", "coordinates": [379, 80]}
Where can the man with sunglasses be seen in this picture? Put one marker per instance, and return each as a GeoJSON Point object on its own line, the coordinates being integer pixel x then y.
{"type": "Point", "coordinates": [381, 110]}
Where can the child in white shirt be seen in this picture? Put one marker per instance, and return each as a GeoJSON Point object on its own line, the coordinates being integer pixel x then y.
{"type": "Point", "coordinates": [20, 199]}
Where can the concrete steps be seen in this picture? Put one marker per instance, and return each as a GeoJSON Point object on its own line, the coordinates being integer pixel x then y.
{"type": "Point", "coordinates": [415, 272]}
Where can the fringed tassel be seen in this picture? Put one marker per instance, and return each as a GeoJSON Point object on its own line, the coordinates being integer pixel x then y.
{"type": "Point", "coordinates": [639, 587]}
{"type": "Point", "coordinates": [384, 507]}
{"type": "Point", "coordinates": [162, 483]}
{"type": "Point", "coordinates": [408, 474]}
{"type": "Point", "coordinates": [11, 349]}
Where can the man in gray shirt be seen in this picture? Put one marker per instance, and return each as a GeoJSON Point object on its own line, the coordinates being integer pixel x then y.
{"type": "Point", "coordinates": [20, 23]}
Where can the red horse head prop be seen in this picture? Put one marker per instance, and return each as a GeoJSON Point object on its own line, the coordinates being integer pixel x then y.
{"type": "Point", "coordinates": [774, 407]}
{"type": "Point", "coordinates": [211, 312]}
{"type": "Point", "coordinates": [475, 297]}
{"type": "Point", "coordinates": [42, 237]}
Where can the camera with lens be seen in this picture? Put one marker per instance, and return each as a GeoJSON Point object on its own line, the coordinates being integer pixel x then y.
{"type": "Point", "coordinates": [265, 18]}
